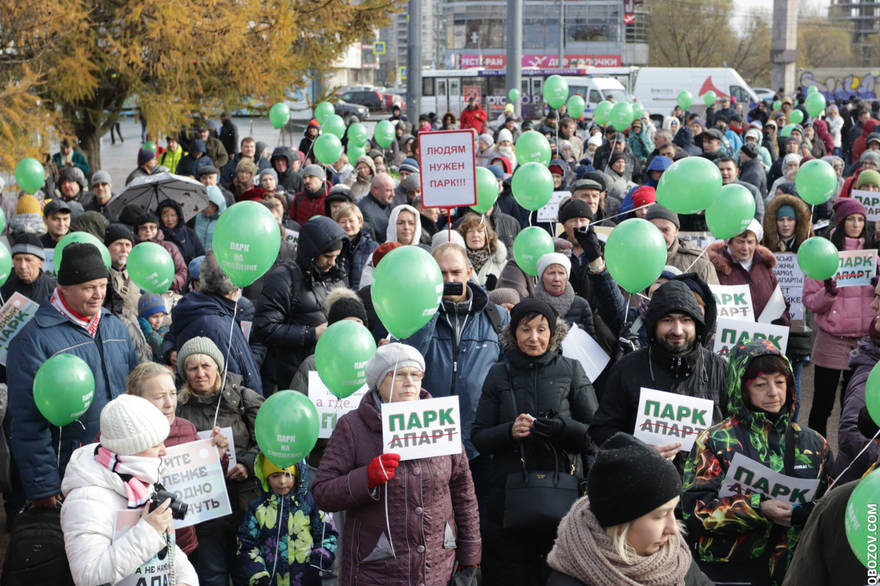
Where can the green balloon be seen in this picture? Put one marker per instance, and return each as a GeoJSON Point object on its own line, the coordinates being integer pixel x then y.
{"type": "Point", "coordinates": [357, 133]}
{"type": "Point", "coordinates": [327, 148]}
{"type": "Point", "coordinates": [638, 109]}
{"type": "Point", "coordinates": [731, 212]}
{"type": "Point", "coordinates": [859, 520]}
{"type": "Point", "coordinates": [812, 90]}
{"type": "Point", "coordinates": [795, 116]}
{"type": "Point", "coordinates": [532, 146]}
{"type": "Point", "coordinates": [684, 99]}
{"type": "Point", "coordinates": [286, 427]}
{"type": "Point", "coordinates": [872, 393]}
{"type": "Point", "coordinates": [576, 106]}
{"type": "Point", "coordinates": [529, 245]}
{"type": "Point", "coordinates": [407, 290]}
{"type": "Point", "coordinates": [487, 190]}
{"type": "Point", "coordinates": [689, 185]}
{"type": "Point", "coordinates": [532, 185]}
{"type": "Point", "coordinates": [246, 242]}
{"type": "Point", "coordinates": [322, 111]}
{"type": "Point", "coordinates": [602, 112]}
{"type": "Point", "coordinates": [815, 103]}
{"type": "Point", "coordinates": [635, 254]}
{"type": "Point", "coordinates": [383, 134]}
{"type": "Point", "coordinates": [149, 146]}
{"type": "Point", "coordinates": [777, 105]}
{"type": "Point", "coordinates": [341, 357]}
{"type": "Point", "coordinates": [818, 258]}
{"type": "Point", "coordinates": [355, 151]}
{"type": "Point", "coordinates": [5, 264]}
{"type": "Point", "coordinates": [621, 116]}
{"type": "Point", "coordinates": [334, 125]}
{"type": "Point", "coordinates": [709, 98]}
{"type": "Point", "coordinates": [555, 91]}
{"type": "Point", "coordinates": [513, 95]}
{"type": "Point", "coordinates": [151, 267]}
{"type": "Point", "coordinates": [816, 181]}
{"type": "Point", "coordinates": [279, 114]}
{"type": "Point", "coordinates": [79, 237]}
{"type": "Point", "coordinates": [64, 387]}
{"type": "Point", "coordinates": [786, 130]}
{"type": "Point", "coordinates": [30, 175]}
{"type": "Point", "coordinates": [2, 220]}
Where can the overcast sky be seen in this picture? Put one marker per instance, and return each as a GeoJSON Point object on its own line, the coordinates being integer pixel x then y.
{"type": "Point", "coordinates": [767, 5]}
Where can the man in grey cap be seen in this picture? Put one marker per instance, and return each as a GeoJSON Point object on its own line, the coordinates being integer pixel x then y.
{"type": "Point", "coordinates": [209, 175]}
{"type": "Point", "coordinates": [28, 277]}
{"type": "Point", "coordinates": [680, 254]}
{"type": "Point", "coordinates": [310, 201]}
{"type": "Point", "coordinates": [712, 142]}
{"type": "Point", "coordinates": [102, 190]}
{"type": "Point", "coordinates": [590, 192]}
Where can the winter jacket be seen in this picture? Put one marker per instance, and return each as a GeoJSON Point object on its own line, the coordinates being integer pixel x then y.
{"type": "Point", "coordinates": [291, 304]}
{"type": "Point", "coordinates": [733, 529]}
{"type": "Point", "coordinates": [110, 356]}
{"type": "Point", "coordinates": [290, 180]}
{"type": "Point", "coordinates": [170, 159]}
{"type": "Point", "coordinates": [355, 257]}
{"type": "Point", "coordinates": [204, 225]}
{"type": "Point", "coordinates": [189, 166]}
{"type": "Point", "coordinates": [229, 136]}
{"type": "Point", "coordinates": [617, 188]}
{"type": "Point", "coordinates": [861, 143]}
{"type": "Point", "coordinates": [430, 504]}
{"type": "Point", "coordinates": [205, 314]}
{"type": "Point", "coordinates": [79, 161]}
{"type": "Point", "coordinates": [93, 497]}
{"type": "Point", "coordinates": [682, 254]}
{"type": "Point", "coordinates": [181, 235]}
{"type": "Point", "coordinates": [684, 139]}
{"type": "Point", "coordinates": [849, 439]}
{"type": "Point", "coordinates": [760, 278]}
{"type": "Point", "coordinates": [304, 536]}
{"type": "Point", "coordinates": [307, 204]}
{"type": "Point", "coordinates": [460, 344]}
{"type": "Point", "coordinates": [491, 269]}
{"type": "Point", "coordinates": [473, 118]}
{"type": "Point", "coordinates": [376, 215]}
{"type": "Point", "coordinates": [361, 185]}
{"type": "Point", "coordinates": [179, 265]}
{"type": "Point", "coordinates": [39, 291]}
{"type": "Point", "coordinates": [803, 224]}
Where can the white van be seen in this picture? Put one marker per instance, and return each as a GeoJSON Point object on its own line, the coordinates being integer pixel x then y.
{"type": "Point", "coordinates": [657, 88]}
{"type": "Point", "coordinates": [596, 89]}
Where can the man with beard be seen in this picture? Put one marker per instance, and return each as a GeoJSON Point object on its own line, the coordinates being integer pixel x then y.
{"type": "Point", "coordinates": [675, 361]}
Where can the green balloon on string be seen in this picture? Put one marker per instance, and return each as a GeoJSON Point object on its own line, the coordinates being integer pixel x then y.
{"type": "Point", "coordinates": [621, 116]}
{"type": "Point", "coordinates": [341, 356]}
{"type": "Point", "coordinates": [795, 116]}
{"type": "Point", "coordinates": [786, 130]}
{"type": "Point", "coordinates": [637, 111]}
{"type": "Point", "coordinates": [513, 95]}
{"type": "Point", "coordinates": [357, 133]}
{"type": "Point", "coordinates": [812, 90]}
{"type": "Point", "coordinates": [30, 175]}
{"type": "Point", "coordinates": [286, 427]}
{"type": "Point", "coordinates": [602, 112]}
{"type": "Point", "coordinates": [334, 125]}
{"type": "Point", "coordinates": [246, 242]}
{"type": "Point", "coordinates": [407, 290]}
{"type": "Point", "coordinates": [555, 91]}
{"type": "Point", "coordinates": [5, 264]}
{"type": "Point", "coordinates": [529, 245]}
{"type": "Point", "coordinates": [383, 134]}
{"type": "Point", "coordinates": [576, 106]}
{"type": "Point", "coordinates": [532, 146]}
{"type": "Point", "coordinates": [327, 148]}
{"type": "Point", "coordinates": [150, 267]}
{"type": "Point", "coordinates": [487, 190]}
{"type": "Point", "coordinates": [818, 258]}
{"type": "Point", "coordinates": [355, 151]}
{"type": "Point", "coordinates": [279, 114]}
{"type": "Point", "coordinates": [731, 212]}
{"type": "Point", "coordinates": [684, 99]}
{"type": "Point", "coordinates": [64, 387]}
{"type": "Point", "coordinates": [860, 519]}
{"type": "Point", "coordinates": [816, 181]}
{"type": "Point", "coordinates": [149, 146]}
{"type": "Point", "coordinates": [815, 103]}
{"type": "Point", "coordinates": [84, 237]}
{"type": "Point", "coordinates": [689, 185]}
{"type": "Point", "coordinates": [322, 111]}
{"type": "Point", "coordinates": [532, 185]}
{"type": "Point", "coordinates": [635, 254]}
{"type": "Point", "coordinates": [777, 104]}
{"type": "Point", "coordinates": [872, 393]}
{"type": "Point", "coordinates": [709, 98]}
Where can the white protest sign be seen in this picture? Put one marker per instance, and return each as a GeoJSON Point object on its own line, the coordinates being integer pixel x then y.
{"type": "Point", "coordinates": [330, 407]}
{"type": "Point", "coordinates": [791, 282]}
{"type": "Point", "coordinates": [664, 418]}
{"type": "Point", "coordinates": [603, 232]}
{"type": "Point", "coordinates": [192, 471]}
{"type": "Point", "coordinates": [871, 201]}
{"type": "Point", "coordinates": [422, 429]}
{"type": "Point", "coordinates": [14, 315]}
{"type": "Point", "coordinates": [730, 332]}
{"type": "Point", "coordinates": [154, 570]}
{"type": "Point", "coordinates": [733, 301]}
{"type": "Point", "coordinates": [581, 346]}
{"type": "Point", "coordinates": [745, 476]}
{"type": "Point", "coordinates": [291, 236]}
{"type": "Point", "coordinates": [550, 210]}
{"type": "Point", "coordinates": [230, 451]}
{"type": "Point", "coordinates": [855, 268]}
{"type": "Point", "coordinates": [447, 167]}
{"type": "Point", "coordinates": [774, 308]}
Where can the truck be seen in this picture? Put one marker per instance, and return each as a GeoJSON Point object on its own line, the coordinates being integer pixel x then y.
{"type": "Point", "coordinates": [657, 88]}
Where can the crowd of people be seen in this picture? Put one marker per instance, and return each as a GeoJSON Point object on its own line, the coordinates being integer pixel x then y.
{"type": "Point", "coordinates": [204, 356]}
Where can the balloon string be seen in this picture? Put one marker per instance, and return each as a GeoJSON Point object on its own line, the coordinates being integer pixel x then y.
{"type": "Point", "coordinates": [830, 486]}
{"type": "Point", "coordinates": [621, 214]}
{"type": "Point", "coordinates": [58, 464]}
{"type": "Point", "coordinates": [702, 252]}
{"type": "Point", "coordinates": [225, 364]}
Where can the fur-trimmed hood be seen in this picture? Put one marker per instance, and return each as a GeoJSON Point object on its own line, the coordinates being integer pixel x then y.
{"type": "Point", "coordinates": [803, 228]}
{"type": "Point", "coordinates": [508, 340]}
{"type": "Point", "coordinates": [724, 263]}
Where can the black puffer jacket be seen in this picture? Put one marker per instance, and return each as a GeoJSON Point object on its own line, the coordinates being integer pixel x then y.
{"type": "Point", "coordinates": [182, 235]}
{"type": "Point", "coordinates": [291, 304]}
{"type": "Point", "coordinates": [290, 180]}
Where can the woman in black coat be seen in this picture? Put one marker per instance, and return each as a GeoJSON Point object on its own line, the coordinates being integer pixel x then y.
{"type": "Point", "coordinates": [537, 403]}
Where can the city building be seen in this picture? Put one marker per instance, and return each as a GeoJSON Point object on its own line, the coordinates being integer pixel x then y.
{"type": "Point", "coordinates": [863, 18]}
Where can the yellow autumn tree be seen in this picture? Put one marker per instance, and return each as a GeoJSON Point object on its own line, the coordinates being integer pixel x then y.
{"type": "Point", "coordinates": [172, 58]}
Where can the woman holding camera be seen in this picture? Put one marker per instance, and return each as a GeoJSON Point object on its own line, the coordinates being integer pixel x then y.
{"type": "Point", "coordinates": [117, 476]}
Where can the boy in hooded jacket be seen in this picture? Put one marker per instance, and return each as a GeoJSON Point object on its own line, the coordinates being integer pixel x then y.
{"type": "Point", "coordinates": [284, 540]}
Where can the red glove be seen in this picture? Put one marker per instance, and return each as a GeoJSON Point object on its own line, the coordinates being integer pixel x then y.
{"type": "Point", "coordinates": [374, 472]}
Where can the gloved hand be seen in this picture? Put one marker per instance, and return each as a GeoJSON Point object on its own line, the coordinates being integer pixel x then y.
{"type": "Point", "coordinates": [800, 514]}
{"type": "Point", "coordinates": [830, 287]}
{"type": "Point", "coordinates": [374, 472]}
{"type": "Point", "coordinates": [464, 576]}
{"type": "Point", "coordinates": [590, 243]}
{"type": "Point", "coordinates": [548, 426]}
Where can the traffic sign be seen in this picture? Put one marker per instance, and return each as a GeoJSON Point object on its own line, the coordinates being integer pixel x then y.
{"type": "Point", "coordinates": [401, 72]}
{"type": "Point", "coordinates": [379, 48]}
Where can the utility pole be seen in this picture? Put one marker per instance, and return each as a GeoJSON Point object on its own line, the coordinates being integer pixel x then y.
{"type": "Point", "coordinates": [514, 48]}
{"type": "Point", "coordinates": [414, 62]}
{"type": "Point", "coordinates": [783, 52]}
{"type": "Point", "coordinates": [561, 33]}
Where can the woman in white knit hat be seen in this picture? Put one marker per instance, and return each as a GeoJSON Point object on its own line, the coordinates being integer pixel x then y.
{"type": "Point", "coordinates": [118, 475]}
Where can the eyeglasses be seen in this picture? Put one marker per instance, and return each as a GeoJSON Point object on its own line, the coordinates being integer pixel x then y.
{"type": "Point", "coordinates": [411, 375]}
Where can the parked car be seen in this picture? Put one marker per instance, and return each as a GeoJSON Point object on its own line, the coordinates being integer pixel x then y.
{"type": "Point", "coordinates": [764, 93]}
{"type": "Point", "coordinates": [346, 109]}
{"type": "Point", "coordinates": [392, 99]}
{"type": "Point", "coordinates": [372, 99]}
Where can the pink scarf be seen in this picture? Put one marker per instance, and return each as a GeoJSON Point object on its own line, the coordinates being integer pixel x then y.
{"type": "Point", "coordinates": [138, 474]}
{"type": "Point", "coordinates": [90, 325]}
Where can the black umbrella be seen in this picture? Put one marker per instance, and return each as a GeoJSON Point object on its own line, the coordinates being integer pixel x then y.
{"type": "Point", "coordinates": [149, 190]}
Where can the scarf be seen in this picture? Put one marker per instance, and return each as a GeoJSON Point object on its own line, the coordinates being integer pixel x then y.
{"type": "Point", "coordinates": [478, 258]}
{"type": "Point", "coordinates": [90, 325]}
{"type": "Point", "coordinates": [561, 303]}
{"type": "Point", "coordinates": [138, 474]}
{"type": "Point", "coordinates": [583, 550]}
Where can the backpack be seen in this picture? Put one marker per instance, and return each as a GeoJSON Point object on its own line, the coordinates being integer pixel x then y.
{"type": "Point", "coordinates": [36, 555]}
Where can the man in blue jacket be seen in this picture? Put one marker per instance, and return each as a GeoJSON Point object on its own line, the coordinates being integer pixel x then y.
{"type": "Point", "coordinates": [73, 321]}
{"type": "Point", "coordinates": [460, 345]}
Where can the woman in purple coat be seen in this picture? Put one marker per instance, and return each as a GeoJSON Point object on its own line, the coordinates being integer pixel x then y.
{"type": "Point", "coordinates": [406, 523]}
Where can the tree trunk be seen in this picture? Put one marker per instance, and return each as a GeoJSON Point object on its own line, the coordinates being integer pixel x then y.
{"type": "Point", "coordinates": [90, 143]}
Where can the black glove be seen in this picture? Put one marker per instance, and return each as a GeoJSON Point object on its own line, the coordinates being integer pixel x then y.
{"type": "Point", "coordinates": [800, 514]}
{"type": "Point", "coordinates": [590, 243]}
{"type": "Point", "coordinates": [830, 287]}
{"type": "Point", "coordinates": [263, 581]}
{"type": "Point", "coordinates": [779, 321]}
{"type": "Point", "coordinates": [548, 426]}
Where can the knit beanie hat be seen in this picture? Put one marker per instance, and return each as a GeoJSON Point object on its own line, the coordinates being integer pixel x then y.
{"type": "Point", "coordinates": [629, 479]}
{"type": "Point", "coordinates": [145, 156]}
{"type": "Point", "coordinates": [659, 212]}
{"type": "Point", "coordinates": [247, 165]}
{"type": "Point", "coordinates": [150, 304]}
{"type": "Point", "coordinates": [487, 138]}
{"type": "Point", "coordinates": [314, 171]}
{"type": "Point", "coordinates": [194, 269]}
{"type": "Point", "coordinates": [343, 303]}
{"type": "Point", "coordinates": [504, 135]}
{"type": "Point", "coordinates": [81, 262]}
{"type": "Point", "coordinates": [198, 345]}
{"type": "Point", "coordinates": [382, 250]}
{"type": "Point", "coordinates": [101, 177]}
{"type": "Point", "coordinates": [409, 165]}
{"type": "Point", "coordinates": [117, 231]}
{"type": "Point", "coordinates": [845, 207]}
{"type": "Point", "coordinates": [28, 204]}
{"type": "Point", "coordinates": [868, 177]}
{"type": "Point", "coordinates": [197, 146]}
{"type": "Point", "coordinates": [643, 196]}
{"type": "Point", "coordinates": [444, 236]}
{"type": "Point", "coordinates": [91, 222]}
{"type": "Point", "coordinates": [269, 171]}
{"type": "Point", "coordinates": [785, 212]}
{"type": "Point", "coordinates": [574, 208]}
{"type": "Point", "coordinates": [26, 243]}
{"type": "Point", "coordinates": [131, 424]}
{"type": "Point", "coordinates": [553, 258]}
{"type": "Point", "coordinates": [755, 228]}
{"type": "Point", "coordinates": [501, 295]}
{"type": "Point", "coordinates": [389, 357]}
{"type": "Point", "coordinates": [529, 306]}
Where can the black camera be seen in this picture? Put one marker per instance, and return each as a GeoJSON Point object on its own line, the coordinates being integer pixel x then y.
{"type": "Point", "coordinates": [453, 289]}
{"type": "Point", "coordinates": [178, 507]}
